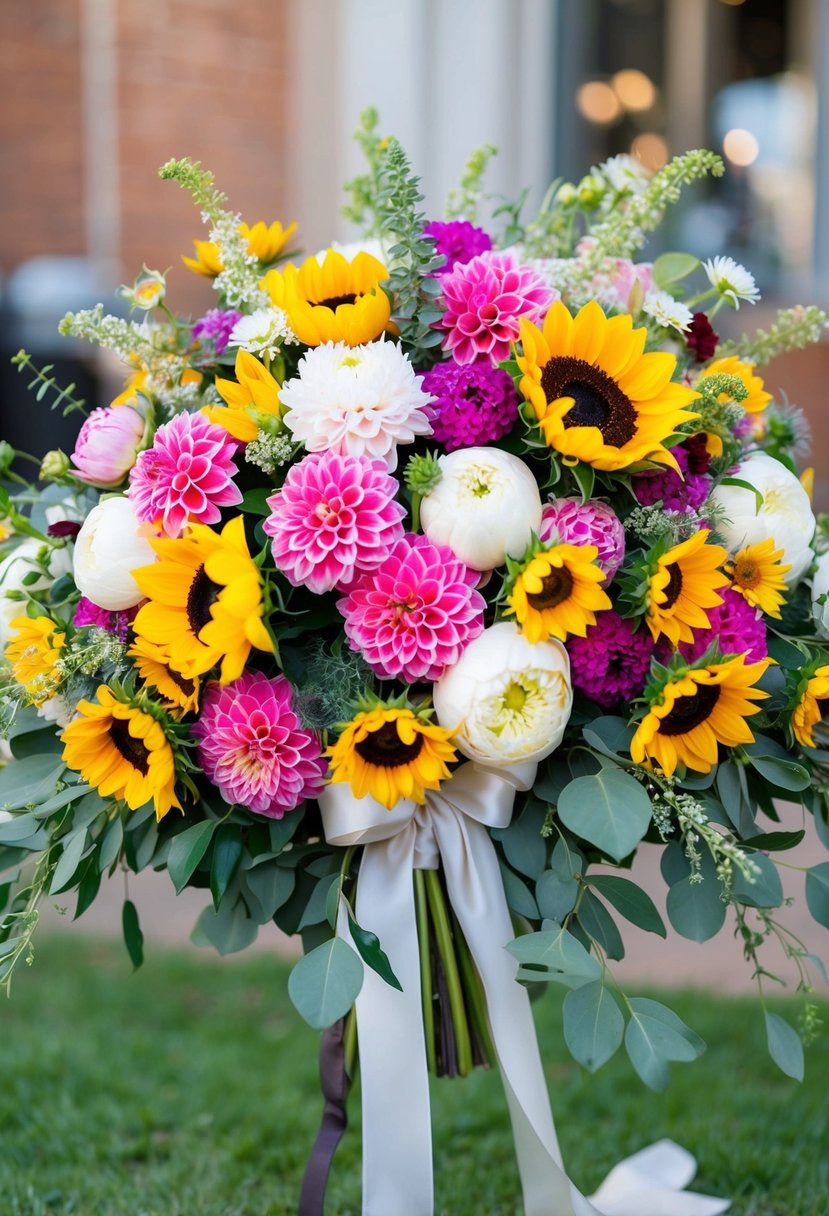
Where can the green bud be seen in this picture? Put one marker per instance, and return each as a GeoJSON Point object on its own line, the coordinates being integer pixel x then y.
{"type": "Point", "coordinates": [6, 456]}
{"type": "Point", "coordinates": [567, 195]}
{"type": "Point", "coordinates": [422, 473]}
{"type": "Point", "coordinates": [54, 465]}
{"type": "Point", "coordinates": [591, 191]}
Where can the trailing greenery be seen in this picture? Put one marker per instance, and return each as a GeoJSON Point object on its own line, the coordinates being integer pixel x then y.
{"type": "Point", "coordinates": [792, 329]}
{"type": "Point", "coordinates": [465, 199]}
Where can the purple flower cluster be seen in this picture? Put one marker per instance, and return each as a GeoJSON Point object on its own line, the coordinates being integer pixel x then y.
{"type": "Point", "coordinates": [458, 241]}
{"type": "Point", "coordinates": [735, 625]}
{"type": "Point", "coordinates": [674, 492]}
{"type": "Point", "coordinates": [215, 327]}
{"type": "Point", "coordinates": [475, 403]}
{"type": "Point", "coordinates": [610, 665]}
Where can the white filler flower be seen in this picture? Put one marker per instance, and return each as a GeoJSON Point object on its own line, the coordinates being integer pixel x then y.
{"type": "Point", "coordinates": [107, 548]}
{"type": "Point", "coordinates": [780, 510]}
{"type": "Point", "coordinates": [731, 280]}
{"type": "Point", "coordinates": [356, 401]}
{"type": "Point", "coordinates": [667, 311]}
{"type": "Point", "coordinates": [263, 332]}
{"type": "Point", "coordinates": [485, 506]}
{"type": "Point", "coordinates": [820, 588]}
{"type": "Point", "coordinates": [507, 699]}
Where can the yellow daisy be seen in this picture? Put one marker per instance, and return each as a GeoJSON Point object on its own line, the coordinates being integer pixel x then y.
{"type": "Point", "coordinates": [391, 754]}
{"type": "Point", "coordinates": [123, 752]}
{"type": "Point", "coordinates": [697, 712]}
{"type": "Point", "coordinates": [33, 655]}
{"type": "Point", "coordinates": [558, 592]}
{"type": "Point", "coordinates": [205, 594]}
{"type": "Point", "coordinates": [266, 241]}
{"type": "Point", "coordinates": [807, 713]}
{"type": "Point", "coordinates": [756, 573]}
{"type": "Point", "coordinates": [153, 666]}
{"type": "Point", "coordinates": [757, 398]}
{"type": "Point", "coordinates": [597, 397]}
{"type": "Point", "coordinates": [334, 300]}
{"type": "Point", "coordinates": [683, 584]}
{"type": "Point", "coordinates": [208, 259]}
{"type": "Point", "coordinates": [252, 397]}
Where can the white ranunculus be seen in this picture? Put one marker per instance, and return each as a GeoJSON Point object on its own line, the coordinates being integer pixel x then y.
{"type": "Point", "coordinates": [820, 587]}
{"type": "Point", "coordinates": [507, 699]}
{"type": "Point", "coordinates": [782, 511]}
{"type": "Point", "coordinates": [485, 506]}
{"type": "Point", "coordinates": [15, 567]}
{"type": "Point", "coordinates": [108, 547]}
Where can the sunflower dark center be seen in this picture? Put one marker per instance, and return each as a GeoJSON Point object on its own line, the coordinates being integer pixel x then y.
{"type": "Point", "coordinates": [130, 748]}
{"type": "Point", "coordinates": [385, 749]}
{"type": "Point", "coordinates": [674, 587]}
{"type": "Point", "coordinates": [555, 589]}
{"type": "Point", "coordinates": [188, 687]}
{"type": "Point", "coordinates": [597, 399]}
{"type": "Point", "coordinates": [689, 712]}
{"type": "Point", "coordinates": [333, 302]}
{"type": "Point", "coordinates": [202, 595]}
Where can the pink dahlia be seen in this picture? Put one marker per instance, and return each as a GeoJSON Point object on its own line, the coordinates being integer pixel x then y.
{"type": "Point", "coordinates": [611, 664]}
{"type": "Point", "coordinates": [484, 301]}
{"type": "Point", "coordinates": [186, 475]}
{"type": "Point", "coordinates": [334, 516]}
{"type": "Point", "coordinates": [586, 523]}
{"type": "Point", "coordinates": [736, 627]}
{"type": "Point", "coordinates": [107, 444]}
{"type": "Point", "coordinates": [254, 748]}
{"type": "Point", "coordinates": [475, 403]}
{"type": "Point", "coordinates": [414, 616]}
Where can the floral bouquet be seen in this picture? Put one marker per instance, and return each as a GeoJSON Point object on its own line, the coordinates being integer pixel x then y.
{"type": "Point", "coordinates": [399, 592]}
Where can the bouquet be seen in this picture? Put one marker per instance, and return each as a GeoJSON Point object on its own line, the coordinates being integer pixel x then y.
{"type": "Point", "coordinates": [401, 590]}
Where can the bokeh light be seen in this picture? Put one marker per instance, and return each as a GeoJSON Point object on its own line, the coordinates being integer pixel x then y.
{"type": "Point", "coordinates": [740, 146]}
{"type": "Point", "coordinates": [635, 90]}
{"type": "Point", "coordinates": [598, 102]}
{"type": "Point", "coordinates": [650, 149]}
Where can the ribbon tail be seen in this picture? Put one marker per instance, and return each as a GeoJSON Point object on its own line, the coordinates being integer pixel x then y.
{"type": "Point", "coordinates": [334, 1084]}
{"type": "Point", "coordinates": [652, 1183]}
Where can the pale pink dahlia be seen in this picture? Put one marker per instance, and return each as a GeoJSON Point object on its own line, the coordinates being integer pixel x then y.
{"type": "Point", "coordinates": [186, 475]}
{"type": "Point", "coordinates": [334, 516]}
{"type": "Point", "coordinates": [484, 301]}
{"type": "Point", "coordinates": [106, 445]}
{"type": "Point", "coordinates": [254, 748]}
{"type": "Point", "coordinates": [414, 616]}
{"type": "Point", "coordinates": [586, 523]}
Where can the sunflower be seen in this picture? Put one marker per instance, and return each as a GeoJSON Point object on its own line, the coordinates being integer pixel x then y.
{"type": "Point", "coordinates": [334, 300]}
{"type": "Point", "coordinates": [757, 398]}
{"type": "Point", "coordinates": [692, 714]}
{"type": "Point", "coordinates": [597, 397]}
{"type": "Point", "coordinates": [205, 597]}
{"type": "Point", "coordinates": [250, 399]}
{"type": "Point", "coordinates": [123, 752]}
{"type": "Point", "coordinates": [153, 666]}
{"type": "Point", "coordinates": [756, 573]}
{"type": "Point", "coordinates": [558, 592]}
{"type": "Point", "coordinates": [33, 655]}
{"type": "Point", "coordinates": [266, 241]}
{"type": "Point", "coordinates": [682, 585]}
{"type": "Point", "coordinates": [807, 712]}
{"type": "Point", "coordinates": [208, 259]}
{"type": "Point", "coordinates": [391, 753]}
{"type": "Point", "coordinates": [136, 383]}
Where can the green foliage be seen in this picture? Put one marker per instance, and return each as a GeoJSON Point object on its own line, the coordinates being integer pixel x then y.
{"type": "Point", "coordinates": [792, 329]}
{"type": "Point", "coordinates": [610, 809]}
{"type": "Point", "coordinates": [465, 200]}
{"type": "Point", "coordinates": [364, 189]}
{"type": "Point", "coordinates": [43, 385]}
{"type": "Point", "coordinates": [325, 983]}
{"type": "Point", "coordinates": [197, 181]}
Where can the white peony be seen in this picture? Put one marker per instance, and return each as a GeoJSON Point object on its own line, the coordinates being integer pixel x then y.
{"type": "Point", "coordinates": [507, 699]}
{"type": "Point", "coordinates": [780, 509]}
{"type": "Point", "coordinates": [16, 566]}
{"type": "Point", "coordinates": [820, 587]}
{"type": "Point", "coordinates": [485, 506]}
{"type": "Point", "coordinates": [108, 547]}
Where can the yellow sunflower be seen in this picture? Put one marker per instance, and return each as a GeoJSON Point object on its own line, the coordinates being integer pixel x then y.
{"type": "Point", "coordinates": [391, 754]}
{"type": "Point", "coordinates": [597, 397]}
{"type": "Point", "coordinates": [697, 712]}
{"type": "Point", "coordinates": [123, 752]}
{"type": "Point", "coordinates": [756, 573]}
{"type": "Point", "coordinates": [757, 398]}
{"type": "Point", "coordinates": [251, 398]}
{"type": "Point", "coordinates": [208, 259]}
{"type": "Point", "coordinates": [33, 655]}
{"type": "Point", "coordinates": [558, 592]}
{"type": "Point", "coordinates": [266, 241]}
{"type": "Point", "coordinates": [153, 666]}
{"type": "Point", "coordinates": [334, 300]}
{"type": "Point", "coordinates": [807, 712]}
{"type": "Point", "coordinates": [683, 584]}
{"type": "Point", "coordinates": [136, 382]}
{"type": "Point", "coordinates": [205, 595]}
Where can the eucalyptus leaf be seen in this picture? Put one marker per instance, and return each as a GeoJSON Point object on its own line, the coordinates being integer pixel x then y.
{"type": "Point", "coordinates": [30, 781]}
{"type": "Point", "coordinates": [325, 983]}
{"type": "Point", "coordinates": [630, 900]}
{"type": "Point", "coordinates": [785, 1047]}
{"type": "Point", "coordinates": [18, 828]}
{"type": "Point", "coordinates": [786, 774]}
{"type": "Point", "coordinates": [271, 885]}
{"type": "Point", "coordinates": [600, 926]}
{"type": "Point", "coordinates": [69, 860]}
{"type": "Point", "coordinates": [518, 897]}
{"type": "Point", "coordinates": [765, 892]}
{"type": "Point", "coordinates": [228, 930]}
{"type": "Point", "coordinates": [111, 841]}
{"type": "Point", "coordinates": [817, 892]}
{"type": "Point", "coordinates": [555, 894]}
{"type": "Point", "coordinates": [654, 1036]}
{"type": "Point", "coordinates": [610, 809]}
{"type": "Point", "coordinates": [558, 953]}
{"type": "Point", "coordinates": [695, 909]}
{"type": "Point", "coordinates": [316, 908]}
{"type": "Point", "coordinates": [59, 801]}
{"type": "Point", "coordinates": [524, 846]}
{"type": "Point", "coordinates": [609, 735]}
{"type": "Point", "coordinates": [593, 1024]}
{"type": "Point", "coordinates": [773, 842]}
{"type": "Point", "coordinates": [670, 268]}
{"type": "Point", "coordinates": [133, 937]}
{"type": "Point", "coordinates": [186, 851]}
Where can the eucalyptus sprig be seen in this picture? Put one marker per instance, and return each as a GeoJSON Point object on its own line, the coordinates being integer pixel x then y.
{"type": "Point", "coordinates": [63, 397]}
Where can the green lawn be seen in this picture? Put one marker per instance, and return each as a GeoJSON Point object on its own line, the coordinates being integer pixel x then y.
{"type": "Point", "coordinates": [189, 1089]}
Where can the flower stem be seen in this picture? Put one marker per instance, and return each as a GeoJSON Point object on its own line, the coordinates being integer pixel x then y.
{"type": "Point", "coordinates": [422, 914]}
{"type": "Point", "coordinates": [475, 1000]}
{"type": "Point", "coordinates": [446, 951]}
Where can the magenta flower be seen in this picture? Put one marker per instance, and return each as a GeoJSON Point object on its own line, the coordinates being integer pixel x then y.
{"type": "Point", "coordinates": [413, 617]}
{"type": "Point", "coordinates": [475, 403]}
{"type": "Point", "coordinates": [118, 623]}
{"type": "Point", "coordinates": [735, 626]}
{"type": "Point", "coordinates": [666, 486]}
{"type": "Point", "coordinates": [611, 664]}
{"type": "Point", "coordinates": [335, 516]}
{"type": "Point", "coordinates": [484, 301]}
{"type": "Point", "coordinates": [107, 444]}
{"type": "Point", "coordinates": [254, 748]}
{"type": "Point", "coordinates": [186, 475]}
{"type": "Point", "coordinates": [586, 523]}
{"type": "Point", "coordinates": [458, 241]}
{"type": "Point", "coordinates": [215, 327]}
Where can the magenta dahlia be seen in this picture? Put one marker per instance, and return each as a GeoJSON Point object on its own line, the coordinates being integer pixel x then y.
{"type": "Point", "coordinates": [666, 486]}
{"type": "Point", "coordinates": [413, 616]}
{"type": "Point", "coordinates": [186, 475]}
{"type": "Point", "coordinates": [586, 523]}
{"type": "Point", "coordinates": [458, 241]}
{"type": "Point", "coordinates": [117, 623]}
{"type": "Point", "coordinates": [610, 664]}
{"type": "Point", "coordinates": [484, 301]}
{"type": "Point", "coordinates": [736, 627]}
{"type": "Point", "coordinates": [475, 403]}
{"type": "Point", "coordinates": [254, 748]}
{"type": "Point", "coordinates": [334, 516]}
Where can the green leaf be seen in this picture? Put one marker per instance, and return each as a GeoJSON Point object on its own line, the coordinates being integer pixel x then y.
{"type": "Point", "coordinates": [368, 945]}
{"type": "Point", "coordinates": [37, 743]}
{"type": "Point", "coordinates": [58, 801]}
{"type": "Point", "coordinates": [584, 475]}
{"type": "Point", "coordinates": [785, 1047]}
{"type": "Point", "coordinates": [88, 886]}
{"type": "Point", "coordinates": [18, 828]}
{"type": "Point", "coordinates": [228, 930]}
{"type": "Point", "coordinates": [671, 268]}
{"type": "Point", "coordinates": [631, 901]}
{"type": "Point", "coordinates": [187, 850]}
{"type": "Point", "coordinates": [555, 894]}
{"type": "Point", "coordinates": [227, 853]}
{"type": "Point", "coordinates": [29, 782]}
{"type": "Point", "coordinates": [593, 1025]}
{"type": "Point", "coordinates": [785, 774]}
{"type": "Point", "coordinates": [817, 893]}
{"type": "Point", "coordinates": [133, 937]}
{"type": "Point", "coordinates": [271, 885]}
{"type": "Point", "coordinates": [524, 846]}
{"type": "Point", "coordinates": [254, 501]}
{"type": "Point", "coordinates": [656, 1035]}
{"type": "Point", "coordinates": [695, 909]}
{"type": "Point", "coordinates": [518, 897]}
{"type": "Point", "coordinates": [111, 842]}
{"type": "Point", "coordinates": [317, 907]}
{"type": "Point", "coordinates": [599, 925]}
{"type": "Point", "coordinates": [773, 842]}
{"type": "Point", "coordinates": [765, 892]}
{"type": "Point", "coordinates": [610, 809]}
{"type": "Point", "coordinates": [560, 956]}
{"type": "Point", "coordinates": [73, 851]}
{"type": "Point", "coordinates": [325, 983]}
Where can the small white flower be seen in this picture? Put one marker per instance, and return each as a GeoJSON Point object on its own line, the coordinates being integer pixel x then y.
{"type": "Point", "coordinates": [349, 250]}
{"type": "Point", "coordinates": [625, 173]}
{"type": "Point", "coordinates": [263, 332]}
{"type": "Point", "coordinates": [667, 311]}
{"type": "Point", "coordinates": [107, 548]}
{"type": "Point", "coordinates": [731, 280]}
{"type": "Point", "coordinates": [820, 589]}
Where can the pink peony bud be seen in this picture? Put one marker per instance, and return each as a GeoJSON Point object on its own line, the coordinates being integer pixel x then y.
{"type": "Point", "coordinates": [107, 445]}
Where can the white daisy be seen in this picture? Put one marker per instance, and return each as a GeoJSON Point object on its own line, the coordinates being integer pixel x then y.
{"type": "Point", "coordinates": [349, 250]}
{"type": "Point", "coordinates": [625, 174]}
{"type": "Point", "coordinates": [731, 280]}
{"type": "Point", "coordinates": [263, 332]}
{"type": "Point", "coordinates": [356, 401]}
{"type": "Point", "coordinates": [667, 311]}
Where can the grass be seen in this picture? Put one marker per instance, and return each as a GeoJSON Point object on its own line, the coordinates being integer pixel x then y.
{"type": "Point", "coordinates": [190, 1089]}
